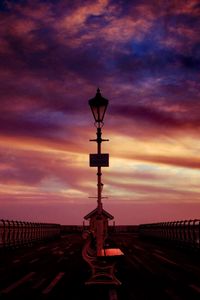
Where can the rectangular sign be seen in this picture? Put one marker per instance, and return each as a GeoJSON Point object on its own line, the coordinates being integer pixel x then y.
{"type": "Point", "coordinates": [99, 160]}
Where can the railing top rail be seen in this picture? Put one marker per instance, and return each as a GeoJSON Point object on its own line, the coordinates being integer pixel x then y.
{"type": "Point", "coordinates": [172, 223]}
{"type": "Point", "coordinates": [25, 223]}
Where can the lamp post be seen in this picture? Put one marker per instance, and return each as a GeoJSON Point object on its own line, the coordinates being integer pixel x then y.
{"type": "Point", "coordinates": [98, 105]}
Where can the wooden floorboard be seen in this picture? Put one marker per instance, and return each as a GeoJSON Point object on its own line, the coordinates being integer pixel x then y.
{"type": "Point", "coordinates": [56, 270]}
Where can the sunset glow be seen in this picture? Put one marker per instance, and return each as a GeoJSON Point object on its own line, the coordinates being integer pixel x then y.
{"type": "Point", "coordinates": [145, 58]}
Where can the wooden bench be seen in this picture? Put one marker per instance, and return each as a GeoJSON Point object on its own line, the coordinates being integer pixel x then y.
{"type": "Point", "coordinates": [103, 265]}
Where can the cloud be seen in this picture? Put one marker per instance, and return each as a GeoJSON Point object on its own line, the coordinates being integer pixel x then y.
{"type": "Point", "coordinates": [145, 58]}
{"type": "Point", "coordinates": [174, 161]}
{"type": "Point", "coordinates": [39, 173]}
{"type": "Point", "coordinates": [157, 118]}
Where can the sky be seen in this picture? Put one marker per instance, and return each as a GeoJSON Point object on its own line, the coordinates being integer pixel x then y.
{"type": "Point", "coordinates": [145, 58]}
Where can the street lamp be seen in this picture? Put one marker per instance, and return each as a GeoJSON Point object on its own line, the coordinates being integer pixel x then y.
{"type": "Point", "coordinates": [98, 105]}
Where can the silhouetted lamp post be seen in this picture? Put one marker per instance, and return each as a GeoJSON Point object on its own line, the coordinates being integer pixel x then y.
{"type": "Point", "coordinates": [98, 105]}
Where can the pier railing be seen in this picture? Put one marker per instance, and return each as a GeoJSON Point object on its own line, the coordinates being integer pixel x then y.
{"type": "Point", "coordinates": [19, 233]}
{"type": "Point", "coordinates": [184, 232]}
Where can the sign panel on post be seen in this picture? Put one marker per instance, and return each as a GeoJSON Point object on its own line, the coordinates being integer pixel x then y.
{"type": "Point", "coordinates": [99, 160]}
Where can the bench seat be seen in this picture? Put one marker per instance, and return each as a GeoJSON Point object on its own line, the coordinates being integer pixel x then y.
{"type": "Point", "coordinates": [111, 252]}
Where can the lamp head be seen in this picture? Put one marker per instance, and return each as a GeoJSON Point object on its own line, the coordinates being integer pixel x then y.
{"type": "Point", "coordinates": [98, 105]}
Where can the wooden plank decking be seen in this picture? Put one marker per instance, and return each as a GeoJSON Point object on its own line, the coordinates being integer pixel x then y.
{"type": "Point", "coordinates": [56, 270]}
